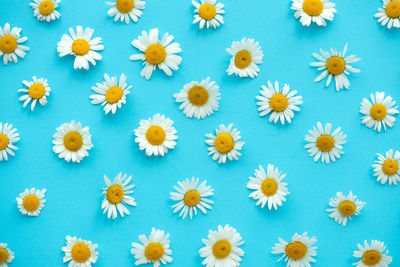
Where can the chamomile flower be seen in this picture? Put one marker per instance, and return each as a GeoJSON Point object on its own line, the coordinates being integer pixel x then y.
{"type": "Point", "coordinates": [111, 93]}
{"type": "Point", "coordinates": [81, 45]}
{"type": "Point", "coordinates": [11, 44]}
{"type": "Point", "coordinates": [199, 99]}
{"type": "Point", "coordinates": [335, 65]}
{"type": "Point", "coordinates": [389, 14]}
{"type": "Point", "coordinates": [297, 253]}
{"type": "Point", "coordinates": [225, 144]}
{"type": "Point", "coordinates": [324, 144]}
{"type": "Point", "coordinates": [209, 13]}
{"type": "Point", "coordinates": [280, 102]}
{"type": "Point", "coordinates": [6, 255]}
{"type": "Point", "coordinates": [379, 112]}
{"type": "Point", "coordinates": [246, 55]}
{"type": "Point", "coordinates": [316, 11]}
{"type": "Point", "coordinates": [72, 142]}
{"type": "Point", "coordinates": [387, 168]}
{"type": "Point", "coordinates": [191, 196]}
{"type": "Point", "coordinates": [45, 10]}
{"type": "Point", "coordinates": [375, 254]}
{"type": "Point", "coordinates": [8, 136]}
{"type": "Point", "coordinates": [37, 91]}
{"type": "Point", "coordinates": [154, 249]}
{"type": "Point", "coordinates": [156, 135]}
{"type": "Point", "coordinates": [31, 201]}
{"type": "Point", "coordinates": [157, 53]}
{"type": "Point", "coordinates": [344, 207]}
{"type": "Point", "coordinates": [124, 10]}
{"type": "Point", "coordinates": [79, 252]}
{"type": "Point", "coordinates": [222, 247]}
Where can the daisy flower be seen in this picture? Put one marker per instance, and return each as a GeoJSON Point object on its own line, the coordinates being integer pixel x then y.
{"type": "Point", "coordinates": [379, 111]}
{"type": "Point", "coordinates": [38, 91]}
{"type": "Point", "coordinates": [325, 144]}
{"type": "Point", "coordinates": [111, 93]}
{"type": "Point", "coordinates": [375, 254]}
{"type": "Point", "coordinates": [316, 11]}
{"type": "Point", "coordinates": [299, 252]}
{"type": "Point", "coordinates": [208, 13]}
{"type": "Point", "coordinates": [389, 14]}
{"type": "Point", "coordinates": [31, 201]}
{"type": "Point", "coordinates": [79, 252]}
{"type": "Point", "coordinates": [191, 196]}
{"type": "Point", "coordinates": [268, 187]}
{"type": "Point", "coordinates": [156, 135]}
{"type": "Point", "coordinates": [199, 99]}
{"type": "Point", "coordinates": [225, 144]}
{"type": "Point", "coordinates": [344, 207]}
{"type": "Point", "coordinates": [116, 196]}
{"type": "Point", "coordinates": [72, 142]}
{"type": "Point", "coordinates": [222, 247]}
{"type": "Point", "coordinates": [8, 136]}
{"type": "Point", "coordinates": [6, 255]}
{"type": "Point", "coordinates": [336, 65]}
{"type": "Point", "coordinates": [157, 53]}
{"type": "Point", "coordinates": [10, 44]}
{"type": "Point", "coordinates": [246, 55]}
{"type": "Point", "coordinates": [154, 249]}
{"type": "Point", "coordinates": [82, 46]}
{"type": "Point", "coordinates": [280, 102]}
{"type": "Point", "coordinates": [124, 10]}
{"type": "Point", "coordinates": [45, 10]}
{"type": "Point", "coordinates": [387, 167]}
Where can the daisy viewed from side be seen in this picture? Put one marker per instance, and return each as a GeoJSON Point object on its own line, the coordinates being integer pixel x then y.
{"type": "Point", "coordinates": [375, 254]}
{"type": "Point", "coordinates": [344, 207]}
{"type": "Point", "coordinates": [387, 168]}
{"type": "Point", "coordinates": [37, 91]}
{"type": "Point", "coordinates": [124, 10]}
{"type": "Point", "coordinates": [45, 10]}
{"type": "Point", "coordinates": [6, 255]}
{"type": "Point", "coordinates": [31, 201]}
{"type": "Point", "coordinates": [209, 13]}
{"type": "Point", "coordinates": [389, 14]}
{"type": "Point", "coordinates": [79, 252]}
{"type": "Point", "coordinates": [11, 44]}
{"type": "Point", "coordinates": [316, 11]}
{"type": "Point", "coordinates": [8, 136]}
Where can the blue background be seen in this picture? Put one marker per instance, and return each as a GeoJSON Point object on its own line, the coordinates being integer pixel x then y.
{"type": "Point", "coordinates": [74, 191]}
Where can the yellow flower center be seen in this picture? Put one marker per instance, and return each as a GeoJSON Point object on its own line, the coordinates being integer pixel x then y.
{"type": "Point", "coordinates": [378, 112]}
{"type": "Point", "coordinates": [46, 7]}
{"type": "Point", "coordinates": [73, 141]}
{"type": "Point", "coordinates": [198, 95]}
{"type": "Point", "coordinates": [393, 9]}
{"type": "Point", "coordinates": [278, 102]}
{"type": "Point", "coordinates": [3, 141]}
{"type": "Point", "coordinates": [371, 257]}
{"type": "Point", "coordinates": [313, 7]}
{"type": "Point", "coordinates": [80, 252]}
{"type": "Point", "coordinates": [269, 187]}
{"type": "Point", "coordinates": [36, 90]}
{"type": "Point", "coordinates": [390, 167]}
{"type": "Point", "coordinates": [125, 6]}
{"type": "Point", "coordinates": [154, 251]}
{"type": "Point", "coordinates": [3, 255]}
{"type": "Point", "coordinates": [296, 250]}
{"type": "Point", "coordinates": [221, 249]}
{"type": "Point", "coordinates": [347, 207]}
{"type": "Point", "coordinates": [80, 47]}
{"type": "Point", "coordinates": [8, 43]}
{"type": "Point", "coordinates": [242, 59]}
{"type": "Point", "coordinates": [31, 203]}
{"type": "Point", "coordinates": [325, 142]}
{"type": "Point", "coordinates": [155, 135]}
{"type": "Point", "coordinates": [207, 11]}
{"type": "Point", "coordinates": [224, 143]}
{"type": "Point", "coordinates": [115, 194]}
{"type": "Point", "coordinates": [155, 54]}
{"type": "Point", "coordinates": [114, 94]}
{"type": "Point", "coordinates": [335, 65]}
{"type": "Point", "coordinates": [191, 198]}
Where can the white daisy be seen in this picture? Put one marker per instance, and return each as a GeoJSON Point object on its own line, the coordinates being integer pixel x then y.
{"type": "Point", "coordinates": [6, 255]}
{"type": "Point", "coordinates": [124, 10]}
{"type": "Point", "coordinates": [297, 253]}
{"type": "Point", "coordinates": [8, 136]}
{"type": "Point", "coordinates": [375, 254]}
{"type": "Point", "coordinates": [246, 55]}
{"type": "Point", "coordinates": [10, 44]}
{"type": "Point", "coordinates": [279, 102]}
{"type": "Point", "coordinates": [82, 46]}
{"type": "Point", "coordinates": [192, 196]}
{"type": "Point", "coordinates": [45, 9]}
{"type": "Point", "coordinates": [386, 168]}
{"type": "Point", "coordinates": [38, 91]}
{"type": "Point", "coordinates": [116, 196]}
{"type": "Point", "coordinates": [72, 142]}
{"type": "Point", "coordinates": [389, 14]}
{"type": "Point", "coordinates": [111, 93]}
{"type": "Point", "coordinates": [325, 144]}
{"type": "Point", "coordinates": [316, 11]}
{"type": "Point", "coordinates": [156, 135]}
{"type": "Point", "coordinates": [79, 252]}
{"type": "Point", "coordinates": [154, 249]}
{"type": "Point", "coordinates": [379, 111]}
{"type": "Point", "coordinates": [225, 144]}
{"type": "Point", "coordinates": [335, 64]}
{"type": "Point", "coordinates": [199, 99]}
{"type": "Point", "coordinates": [208, 13]}
{"type": "Point", "coordinates": [222, 247]}
{"type": "Point", "coordinates": [31, 201]}
{"type": "Point", "coordinates": [344, 207]}
{"type": "Point", "coordinates": [157, 53]}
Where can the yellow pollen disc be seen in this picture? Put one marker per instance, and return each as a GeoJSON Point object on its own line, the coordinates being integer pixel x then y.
{"type": "Point", "coordinates": [393, 9]}
{"type": "Point", "coordinates": [125, 6]}
{"type": "Point", "coordinates": [371, 257]}
{"type": "Point", "coordinates": [80, 252]}
{"type": "Point", "coordinates": [224, 143]}
{"type": "Point", "coordinates": [198, 95]}
{"type": "Point", "coordinates": [242, 59]}
{"type": "Point", "coordinates": [3, 141]}
{"type": "Point", "coordinates": [269, 187]}
{"type": "Point", "coordinates": [115, 194]}
{"type": "Point", "coordinates": [221, 249]}
{"type": "Point", "coordinates": [80, 47]}
{"type": "Point", "coordinates": [325, 142]}
{"type": "Point", "coordinates": [207, 11]}
{"type": "Point", "coordinates": [347, 207]}
{"type": "Point", "coordinates": [389, 167]}
{"type": "Point", "coordinates": [296, 250]}
{"type": "Point", "coordinates": [31, 203]}
{"type": "Point", "coordinates": [73, 141]}
{"type": "Point", "coordinates": [3, 255]}
{"type": "Point", "coordinates": [191, 198]}
{"type": "Point", "coordinates": [155, 135]}
{"type": "Point", "coordinates": [278, 102]}
{"type": "Point", "coordinates": [378, 112]}
{"type": "Point", "coordinates": [36, 90]}
{"type": "Point", "coordinates": [335, 65]}
{"type": "Point", "coordinates": [155, 54]}
{"type": "Point", "coordinates": [8, 43]}
{"type": "Point", "coordinates": [154, 251]}
{"type": "Point", "coordinates": [313, 7]}
{"type": "Point", "coordinates": [114, 94]}
{"type": "Point", "coordinates": [46, 7]}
